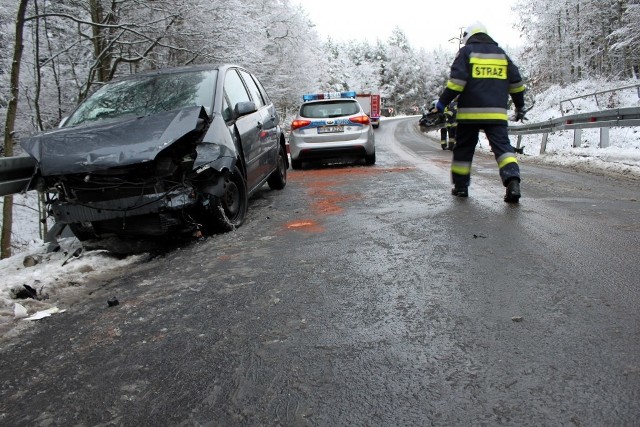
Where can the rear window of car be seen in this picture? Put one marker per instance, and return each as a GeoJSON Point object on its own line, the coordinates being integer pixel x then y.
{"type": "Point", "coordinates": [324, 110]}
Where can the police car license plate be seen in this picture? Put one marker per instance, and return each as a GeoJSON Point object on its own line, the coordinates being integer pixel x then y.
{"type": "Point", "coordinates": [330, 129]}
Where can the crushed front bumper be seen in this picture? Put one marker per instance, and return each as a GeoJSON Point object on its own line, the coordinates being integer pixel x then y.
{"type": "Point", "coordinates": [68, 213]}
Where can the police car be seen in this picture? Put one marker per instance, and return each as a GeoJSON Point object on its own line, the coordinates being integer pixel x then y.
{"type": "Point", "coordinates": [331, 126]}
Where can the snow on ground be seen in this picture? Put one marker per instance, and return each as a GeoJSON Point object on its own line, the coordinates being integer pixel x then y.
{"type": "Point", "coordinates": [50, 278]}
{"type": "Point", "coordinates": [622, 157]}
{"type": "Point", "coordinates": [61, 274]}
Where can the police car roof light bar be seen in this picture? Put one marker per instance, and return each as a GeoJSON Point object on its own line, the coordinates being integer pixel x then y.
{"type": "Point", "coordinates": [328, 95]}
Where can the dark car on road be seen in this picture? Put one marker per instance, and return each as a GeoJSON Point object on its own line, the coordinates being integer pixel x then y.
{"type": "Point", "coordinates": [170, 151]}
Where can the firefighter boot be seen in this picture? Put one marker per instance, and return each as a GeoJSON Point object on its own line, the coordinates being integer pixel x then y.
{"type": "Point", "coordinates": [460, 191]}
{"type": "Point", "coordinates": [513, 191]}
{"type": "Point", "coordinates": [443, 145]}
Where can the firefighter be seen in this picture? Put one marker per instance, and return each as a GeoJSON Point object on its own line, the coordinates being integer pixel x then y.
{"type": "Point", "coordinates": [449, 128]}
{"type": "Point", "coordinates": [483, 77]}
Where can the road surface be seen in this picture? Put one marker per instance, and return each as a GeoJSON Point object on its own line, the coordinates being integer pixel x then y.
{"type": "Point", "coordinates": [362, 296]}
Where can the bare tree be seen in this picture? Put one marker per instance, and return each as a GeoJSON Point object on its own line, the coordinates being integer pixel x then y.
{"type": "Point", "coordinates": [569, 40]}
{"type": "Point", "coordinates": [12, 108]}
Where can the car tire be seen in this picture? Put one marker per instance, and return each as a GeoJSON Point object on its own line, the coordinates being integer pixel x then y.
{"type": "Point", "coordinates": [370, 159]}
{"type": "Point", "coordinates": [278, 178]}
{"type": "Point", "coordinates": [296, 164]}
{"type": "Point", "coordinates": [230, 210]}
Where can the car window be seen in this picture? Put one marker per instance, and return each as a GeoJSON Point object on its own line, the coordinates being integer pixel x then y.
{"type": "Point", "coordinates": [262, 90]}
{"type": "Point", "coordinates": [147, 94]}
{"type": "Point", "coordinates": [253, 89]}
{"type": "Point", "coordinates": [235, 89]}
{"type": "Point", "coordinates": [323, 110]}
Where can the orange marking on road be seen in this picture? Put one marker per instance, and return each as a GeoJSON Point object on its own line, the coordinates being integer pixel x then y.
{"type": "Point", "coordinates": [306, 225]}
{"type": "Point", "coordinates": [338, 172]}
{"type": "Point", "coordinates": [326, 199]}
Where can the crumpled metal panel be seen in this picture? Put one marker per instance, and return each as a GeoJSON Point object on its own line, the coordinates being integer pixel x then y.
{"type": "Point", "coordinates": [105, 145]}
{"type": "Point", "coordinates": [122, 208]}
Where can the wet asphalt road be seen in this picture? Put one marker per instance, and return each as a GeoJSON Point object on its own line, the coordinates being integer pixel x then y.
{"type": "Point", "coordinates": [363, 296]}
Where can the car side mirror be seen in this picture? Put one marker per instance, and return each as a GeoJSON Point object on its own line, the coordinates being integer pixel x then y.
{"type": "Point", "coordinates": [244, 108]}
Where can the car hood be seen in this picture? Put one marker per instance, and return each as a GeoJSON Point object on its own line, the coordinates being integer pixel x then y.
{"type": "Point", "coordinates": [106, 145]}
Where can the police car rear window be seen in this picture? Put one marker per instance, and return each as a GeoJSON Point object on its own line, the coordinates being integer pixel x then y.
{"type": "Point", "coordinates": [324, 110]}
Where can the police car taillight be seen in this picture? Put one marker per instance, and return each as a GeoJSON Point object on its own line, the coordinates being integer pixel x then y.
{"type": "Point", "coordinates": [362, 120]}
{"type": "Point", "coordinates": [328, 95]}
{"type": "Point", "coordinates": [297, 124]}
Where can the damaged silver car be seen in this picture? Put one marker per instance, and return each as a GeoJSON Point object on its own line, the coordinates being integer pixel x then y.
{"type": "Point", "coordinates": [157, 153]}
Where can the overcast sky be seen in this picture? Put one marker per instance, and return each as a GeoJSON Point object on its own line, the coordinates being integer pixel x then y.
{"type": "Point", "coordinates": [427, 24]}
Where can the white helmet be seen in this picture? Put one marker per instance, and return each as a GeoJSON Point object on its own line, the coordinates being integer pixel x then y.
{"type": "Point", "coordinates": [475, 28]}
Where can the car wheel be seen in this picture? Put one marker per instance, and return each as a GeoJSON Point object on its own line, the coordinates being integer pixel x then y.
{"type": "Point", "coordinates": [370, 159]}
{"type": "Point", "coordinates": [278, 178]}
{"type": "Point", "coordinates": [231, 208]}
{"type": "Point", "coordinates": [296, 164]}
{"type": "Point", "coordinates": [82, 232]}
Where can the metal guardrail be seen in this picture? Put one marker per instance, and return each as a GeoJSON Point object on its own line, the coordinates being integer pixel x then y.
{"type": "Point", "coordinates": [15, 174]}
{"type": "Point", "coordinates": [605, 119]}
{"type": "Point", "coordinates": [595, 95]}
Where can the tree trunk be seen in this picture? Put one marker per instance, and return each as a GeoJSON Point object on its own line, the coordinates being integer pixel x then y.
{"type": "Point", "coordinates": [95, 9]}
{"type": "Point", "coordinates": [12, 108]}
{"type": "Point", "coordinates": [37, 72]}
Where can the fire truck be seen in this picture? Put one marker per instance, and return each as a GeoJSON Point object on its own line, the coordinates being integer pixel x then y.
{"type": "Point", "coordinates": [370, 103]}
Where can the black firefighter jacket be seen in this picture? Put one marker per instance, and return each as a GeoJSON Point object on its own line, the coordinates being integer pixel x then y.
{"type": "Point", "coordinates": [483, 76]}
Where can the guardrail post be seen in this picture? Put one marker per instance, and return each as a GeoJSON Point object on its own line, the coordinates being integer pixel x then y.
{"type": "Point", "coordinates": [604, 137]}
{"type": "Point", "coordinates": [543, 145]}
{"type": "Point", "coordinates": [519, 141]}
{"type": "Point", "coordinates": [577, 137]}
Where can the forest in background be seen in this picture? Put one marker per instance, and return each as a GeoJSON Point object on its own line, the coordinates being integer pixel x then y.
{"type": "Point", "coordinates": [71, 47]}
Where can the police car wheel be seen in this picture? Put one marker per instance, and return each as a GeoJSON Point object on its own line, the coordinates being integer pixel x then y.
{"type": "Point", "coordinates": [296, 164]}
{"type": "Point", "coordinates": [370, 159]}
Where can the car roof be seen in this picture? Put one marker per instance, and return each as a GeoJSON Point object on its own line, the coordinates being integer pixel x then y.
{"type": "Point", "coordinates": [177, 70]}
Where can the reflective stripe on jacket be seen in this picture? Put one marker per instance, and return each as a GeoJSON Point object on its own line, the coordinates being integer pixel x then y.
{"type": "Point", "coordinates": [450, 113]}
{"type": "Point", "coordinates": [484, 77]}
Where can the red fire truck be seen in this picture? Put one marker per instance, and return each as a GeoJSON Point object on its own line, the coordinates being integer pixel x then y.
{"type": "Point", "coordinates": [370, 103]}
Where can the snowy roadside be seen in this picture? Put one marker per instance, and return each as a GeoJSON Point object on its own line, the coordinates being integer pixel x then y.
{"type": "Point", "coordinates": [34, 282]}
{"type": "Point", "coordinates": [621, 158]}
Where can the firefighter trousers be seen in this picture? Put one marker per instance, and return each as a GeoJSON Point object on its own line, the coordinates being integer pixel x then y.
{"type": "Point", "coordinates": [466, 141]}
{"type": "Point", "coordinates": [448, 131]}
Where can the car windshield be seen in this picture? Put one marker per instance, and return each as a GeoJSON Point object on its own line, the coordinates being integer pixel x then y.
{"type": "Point", "coordinates": [323, 110]}
{"type": "Point", "coordinates": [147, 95]}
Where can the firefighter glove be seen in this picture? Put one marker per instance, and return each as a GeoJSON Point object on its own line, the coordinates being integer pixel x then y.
{"type": "Point", "coordinates": [439, 108]}
{"type": "Point", "coordinates": [519, 117]}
